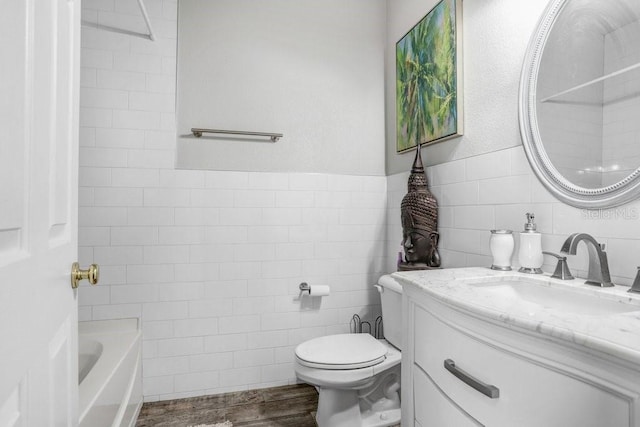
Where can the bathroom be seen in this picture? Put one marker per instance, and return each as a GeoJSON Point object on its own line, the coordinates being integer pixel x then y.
{"type": "Point", "coordinates": [209, 254]}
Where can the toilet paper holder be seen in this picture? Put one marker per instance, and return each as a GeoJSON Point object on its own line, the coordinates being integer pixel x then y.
{"type": "Point", "coordinates": [304, 287]}
{"type": "Point", "coordinates": [315, 291]}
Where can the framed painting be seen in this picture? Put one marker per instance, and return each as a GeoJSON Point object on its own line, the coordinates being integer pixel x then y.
{"type": "Point", "coordinates": [429, 78]}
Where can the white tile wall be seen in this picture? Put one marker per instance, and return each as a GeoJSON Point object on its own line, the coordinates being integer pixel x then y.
{"type": "Point", "coordinates": [209, 260]}
{"type": "Point", "coordinates": [197, 274]}
{"type": "Point", "coordinates": [506, 193]}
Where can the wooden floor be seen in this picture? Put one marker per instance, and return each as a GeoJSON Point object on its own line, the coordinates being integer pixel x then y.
{"type": "Point", "coordinates": [287, 406]}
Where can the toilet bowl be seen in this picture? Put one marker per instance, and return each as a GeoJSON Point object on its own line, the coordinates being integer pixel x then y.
{"type": "Point", "coordinates": [357, 376]}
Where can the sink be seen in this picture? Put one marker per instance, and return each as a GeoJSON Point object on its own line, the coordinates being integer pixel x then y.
{"type": "Point", "coordinates": [534, 296]}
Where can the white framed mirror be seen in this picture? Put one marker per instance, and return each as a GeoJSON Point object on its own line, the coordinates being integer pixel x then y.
{"type": "Point", "coordinates": [579, 106]}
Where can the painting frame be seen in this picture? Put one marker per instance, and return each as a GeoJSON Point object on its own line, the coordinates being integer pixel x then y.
{"type": "Point", "coordinates": [429, 84]}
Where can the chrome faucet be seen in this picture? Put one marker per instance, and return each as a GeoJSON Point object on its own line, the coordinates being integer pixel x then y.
{"type": "Point", "coordinates": [598, 265]}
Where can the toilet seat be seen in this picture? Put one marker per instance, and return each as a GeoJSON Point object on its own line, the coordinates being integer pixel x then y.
{"type": "Point", "coordinates": [342, 351]}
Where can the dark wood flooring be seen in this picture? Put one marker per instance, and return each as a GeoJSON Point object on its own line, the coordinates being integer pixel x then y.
{"type": "Point", "coordinates": [286, 406]}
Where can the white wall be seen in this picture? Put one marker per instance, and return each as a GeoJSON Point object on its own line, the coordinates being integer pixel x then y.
{"type": "Point", "coordinates": [479, 184]}
{"type": "Point", "coordinates": [209, 260]}
{"type": "Point", "coordinates": [495, 36]}
{"type": "Point", "coordinates": [312, 70]}
{"type": "Point", "coordinates": [494, 191]}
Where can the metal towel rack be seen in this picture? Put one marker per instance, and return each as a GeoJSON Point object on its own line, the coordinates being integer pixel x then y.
{"type": "Point", "coordinates": [197, 132]}
{"type": "Point", "coordinates": [143, 10]}
{"type": "Point", "coordinates": [357, 326]}
{"type": "Point", "coordinates": [145, 16]}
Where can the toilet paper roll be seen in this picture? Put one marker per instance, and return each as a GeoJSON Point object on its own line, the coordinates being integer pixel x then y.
{"type": "Point", "coordinates": [319, 291]}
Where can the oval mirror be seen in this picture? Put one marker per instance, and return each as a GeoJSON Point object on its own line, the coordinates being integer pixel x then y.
{"type": "Point", "coordinates": [580, 101]}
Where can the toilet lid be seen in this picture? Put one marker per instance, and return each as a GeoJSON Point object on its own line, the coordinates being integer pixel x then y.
{"type": "Point", "coordinates": [343, 351]}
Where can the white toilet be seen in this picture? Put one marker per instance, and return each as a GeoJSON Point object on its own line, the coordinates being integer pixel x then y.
{"type": "Point", "coordinates": [358, 376]}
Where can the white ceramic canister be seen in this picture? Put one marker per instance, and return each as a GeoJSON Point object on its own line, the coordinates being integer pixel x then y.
{"type": "Point", "coordinates": [501, 245]}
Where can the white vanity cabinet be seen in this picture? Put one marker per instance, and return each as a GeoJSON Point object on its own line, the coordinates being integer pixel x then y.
{"type": "Point", "coordinates": [535, 380]}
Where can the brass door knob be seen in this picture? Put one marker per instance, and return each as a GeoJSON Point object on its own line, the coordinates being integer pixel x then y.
{"type": "Point", "coordinates": [92, 274]}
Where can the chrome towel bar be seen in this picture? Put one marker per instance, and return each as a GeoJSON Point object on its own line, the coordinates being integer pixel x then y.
{"type": "Point", "coordinates": [197, 132]}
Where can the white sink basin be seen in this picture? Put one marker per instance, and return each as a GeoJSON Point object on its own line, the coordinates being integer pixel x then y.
{"type": "Point", "coordinates": [534, 296]}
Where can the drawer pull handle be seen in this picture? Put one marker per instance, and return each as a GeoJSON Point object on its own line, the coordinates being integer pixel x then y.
{"type": "Point", "coordinates": [488, 390]}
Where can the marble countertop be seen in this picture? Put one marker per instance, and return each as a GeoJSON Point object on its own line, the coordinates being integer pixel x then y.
{"type": "Point", "coordinates": [591, 325]}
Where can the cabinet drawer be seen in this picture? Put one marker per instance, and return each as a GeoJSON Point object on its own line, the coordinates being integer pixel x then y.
{"type": "Point", "coordinates": [436, 409]}
{"type": "Point", "coordinates": [530, 393]}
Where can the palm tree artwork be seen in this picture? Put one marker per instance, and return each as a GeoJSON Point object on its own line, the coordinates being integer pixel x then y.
{"type": "Point", "coordinates": [426, 79]}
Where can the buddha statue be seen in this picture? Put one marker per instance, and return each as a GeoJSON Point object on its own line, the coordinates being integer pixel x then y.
{"type": "Point", "coordinates": [419, 215]}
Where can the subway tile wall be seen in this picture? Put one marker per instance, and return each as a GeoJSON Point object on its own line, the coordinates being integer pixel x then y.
{"type": "Point", "coordinates": [210, 261]}
{"type": "Point", "coordinates": [494, 191]}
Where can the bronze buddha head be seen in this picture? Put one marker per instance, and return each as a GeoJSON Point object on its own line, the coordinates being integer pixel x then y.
{"type": "Point", "coordinates": [419, 215]}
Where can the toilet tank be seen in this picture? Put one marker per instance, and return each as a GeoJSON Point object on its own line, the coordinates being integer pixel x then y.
{"type": "Point", "coordinates": [391, 299]}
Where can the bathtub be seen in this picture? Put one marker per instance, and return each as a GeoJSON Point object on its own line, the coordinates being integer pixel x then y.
{"type": "Point", "coordinates": [109, 373]}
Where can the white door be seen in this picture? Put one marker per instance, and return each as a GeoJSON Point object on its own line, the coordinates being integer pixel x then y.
{"type": "Point", "coordinates": [39, 84]}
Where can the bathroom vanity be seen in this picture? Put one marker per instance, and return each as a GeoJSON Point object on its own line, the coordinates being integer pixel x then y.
{"type": "Point", "coordinates": [483, 347]}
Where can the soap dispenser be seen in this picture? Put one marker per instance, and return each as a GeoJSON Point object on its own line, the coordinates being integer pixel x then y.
{"type": "Point", "coordinates": [530, 252]}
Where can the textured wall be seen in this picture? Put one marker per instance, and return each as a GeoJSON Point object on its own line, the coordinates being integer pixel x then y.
{"type": "Point", "coordinates": [479, 183]}
{"type": "Point", "coordinates": [495, 36]}
{"type": "Point", "coordinates": [312, 70]}
{"type": "Point", "coordinates": [210, 261]}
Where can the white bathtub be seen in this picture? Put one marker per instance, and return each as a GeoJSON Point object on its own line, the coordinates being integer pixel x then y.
{"type": "Point", "coordinates": [109, 373]}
